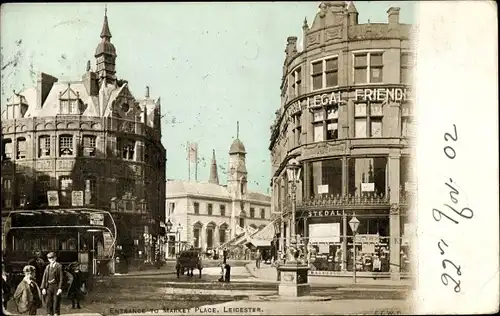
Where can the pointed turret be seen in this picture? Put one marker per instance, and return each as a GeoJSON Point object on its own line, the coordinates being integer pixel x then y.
{"type": "Point", "coordinates": [214, 176]}
{"type": "Point", "coordinates": [105, 53]}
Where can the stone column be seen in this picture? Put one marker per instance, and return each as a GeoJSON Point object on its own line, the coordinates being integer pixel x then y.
{"type": "Point", "coordinates": [394, 219]}
{"type": "Point", "coordinates": [215, 236]}
{"type": "Point", "coordinates": [203, 237]}
{"type": "Point", "coordinates": [54, 147]}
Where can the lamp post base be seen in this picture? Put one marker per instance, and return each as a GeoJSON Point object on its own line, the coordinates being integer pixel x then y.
{"type": "Point", "coordinates": [294, 282]}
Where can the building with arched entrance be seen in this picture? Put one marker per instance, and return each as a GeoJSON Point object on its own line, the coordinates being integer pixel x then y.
{"type": "Point", "coordinates": [207, 215]}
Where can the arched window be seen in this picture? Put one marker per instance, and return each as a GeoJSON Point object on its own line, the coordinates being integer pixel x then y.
{"type": "Point", "coordinates": [242, 219]}
{"type": "Point", "coordinates": [196, 234]}
{"type": "Point", "coordinates": [222, 232]}
{"type": "Point", "coordinates": [210, 235]}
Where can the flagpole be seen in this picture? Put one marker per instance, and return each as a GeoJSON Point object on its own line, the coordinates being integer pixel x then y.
{"type": "Point", "coordinates": [196, 164]}
{"type": "Point", "coordinates": [188, 147]}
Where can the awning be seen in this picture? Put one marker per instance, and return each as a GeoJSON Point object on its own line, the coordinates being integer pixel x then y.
{"type": "Point", "coordinates": [61, 211]}
{"type": "Point", "coordinates": [260, 242]}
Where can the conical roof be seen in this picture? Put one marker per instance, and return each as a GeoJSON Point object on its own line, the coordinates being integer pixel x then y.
{"type": "Point", "coordinates": [237, 147]}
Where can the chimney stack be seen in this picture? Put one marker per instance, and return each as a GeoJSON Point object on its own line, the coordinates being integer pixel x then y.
{"type": "Point", "coordinates": [147, 91]}
{"type": "Point", "coordinates": [393, 15]}
{"type": "Point", "coordinates": [291, 46]}
{"type": "Point", "coordinates": [44, 84]}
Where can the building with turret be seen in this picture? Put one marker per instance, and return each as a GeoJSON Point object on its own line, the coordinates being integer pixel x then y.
{"type": "Point", "coordinates": [346, 115]}
{"type": "Point", "coordinates": [207, 215]}
{"type": "Point", "coordinates": [87, 144]}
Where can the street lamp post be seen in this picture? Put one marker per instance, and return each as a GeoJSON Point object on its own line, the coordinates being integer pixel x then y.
{"type": "Point", "coordinates": [354, 223]}
{"type": "Point", "coordinates": [293, 281]}
{"type": "Point", "coordinates": [168, 227]}
{"type": "Point", "coordinates": [179, 230]}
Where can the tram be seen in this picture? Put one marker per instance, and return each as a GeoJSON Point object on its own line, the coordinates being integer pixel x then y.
{"type": "Point", "coordinates": [80, 235]}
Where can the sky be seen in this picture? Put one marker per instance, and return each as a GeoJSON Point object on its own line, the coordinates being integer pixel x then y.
{"type": "Point", "coordinates": [212, 64]}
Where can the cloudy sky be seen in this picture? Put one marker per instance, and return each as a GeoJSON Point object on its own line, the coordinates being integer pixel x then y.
{"type": "Point", "coordinates": [211, 64]}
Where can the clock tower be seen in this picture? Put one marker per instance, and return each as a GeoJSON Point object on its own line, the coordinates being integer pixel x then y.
{"type": "Point", "coordinates": [237, 180]}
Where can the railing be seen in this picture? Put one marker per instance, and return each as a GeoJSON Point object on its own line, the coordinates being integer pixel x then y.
{"type": "Point", "coordinates": [344, 200]}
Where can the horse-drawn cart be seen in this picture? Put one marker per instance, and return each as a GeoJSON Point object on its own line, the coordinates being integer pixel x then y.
{"type": "Point", "coordinates": [188, 260]}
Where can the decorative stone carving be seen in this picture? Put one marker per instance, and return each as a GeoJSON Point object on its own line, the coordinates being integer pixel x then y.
{"type": "Point", "coordinates": [65, 164]}
{"type": "Point", "coordinates": [44, 165]}
{"type": "Point", "coordinates": [72, 125]}
{"type": "Point", "coordinates": [313, 39]}
{"type": "Point", "coordinates": [49, 126]}
{"type": "Point", "coordinates": [96, 126]}
{"type": "Point", "coordinates": [334, 33]}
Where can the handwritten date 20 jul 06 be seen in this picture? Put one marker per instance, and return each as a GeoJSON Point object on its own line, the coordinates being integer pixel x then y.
{"type": "Point", "coordinates": [453, 214]}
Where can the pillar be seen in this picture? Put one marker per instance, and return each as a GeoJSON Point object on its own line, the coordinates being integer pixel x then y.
{"type": "Point", "coordinates": [394, 218]}
{"type": "Point", "coordinates": [203, 237]}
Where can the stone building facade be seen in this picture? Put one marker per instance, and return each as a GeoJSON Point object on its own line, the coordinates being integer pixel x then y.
{"type": "Point", "coordinates": [346, 115]}
{"type": "Point", "coordinates": [91, 136]}
{"type": "Point", "coordinates": [207, 215]}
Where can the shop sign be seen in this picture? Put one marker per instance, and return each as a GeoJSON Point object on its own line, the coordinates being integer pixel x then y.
{"type": "Point", "coordinates": [108, 244]}
{"type": "Point", "coordinates": [368, 248]}
{"type": "Point", "coordinates": [53, 198]}
{"type": "Point", "coordinates": [320, 100]}
{"type": "Point", "coordinates": [325, 213]}
{"type": "Point", "coordinates": [77, 198]}
{"type": "Point", "coordinates": [323, 189]}
{"type": "Point", "coordinates": [97, 219]}
{"type": "Point", "coordinates": [367, 187]}
{"type": "Point", "coordinates": [382, 94]}
{"type": "Point", "coordinates": [367, 238]}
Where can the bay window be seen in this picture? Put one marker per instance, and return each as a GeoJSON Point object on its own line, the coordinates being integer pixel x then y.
{"type": "Point", "coordinates": [368, 67]}
{"type": "Point", "coordinates": [65, 145]}
{"type": "Point", "coordinates": [44, 146]}
{"type": "Point", "coordinates": [21, 148]}
{"type": "Point", "coordinates": [324, 73]}
{"type": "Point", "coordinates": [367, 176]}
{"type": "Point", "coordinates": [127, 149]}
{"type": "Point", "coordinates": [89, 145]}
{"type": "Point", "coordinates": [325, 177]}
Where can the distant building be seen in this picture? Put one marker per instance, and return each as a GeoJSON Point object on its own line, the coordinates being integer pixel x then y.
{"type": "Point", "coordinates": [346, 115]}
{"type": "Point", "coordinates": [92, 143]}
{"type": "Point", "coordinates": [207, 215]}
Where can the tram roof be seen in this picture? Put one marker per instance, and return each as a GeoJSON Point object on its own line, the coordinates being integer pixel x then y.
{"type": "Point", "coordinates": [59, 211]}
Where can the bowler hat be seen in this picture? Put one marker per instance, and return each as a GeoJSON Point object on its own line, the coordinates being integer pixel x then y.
{"type": "Point", "coordinates": [29, 268]}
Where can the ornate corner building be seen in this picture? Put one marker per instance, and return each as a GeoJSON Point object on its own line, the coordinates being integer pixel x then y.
{"type": "Point", "coordinates": [92, 137]}
{"type": "Point", "coordinates": [346, 115]}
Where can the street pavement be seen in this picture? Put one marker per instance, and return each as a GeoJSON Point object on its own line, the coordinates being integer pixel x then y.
{"type": "Point", "coordinates": [157, 290]}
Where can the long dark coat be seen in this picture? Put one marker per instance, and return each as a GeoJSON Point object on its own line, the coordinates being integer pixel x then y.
{"type": "Point", "coordinates": [75, 288]}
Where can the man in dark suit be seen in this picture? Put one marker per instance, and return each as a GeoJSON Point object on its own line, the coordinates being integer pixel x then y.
{"type": "Point", "coordinates": [52, 282]}
{"type": "Point", "coordinates": [39, 265]}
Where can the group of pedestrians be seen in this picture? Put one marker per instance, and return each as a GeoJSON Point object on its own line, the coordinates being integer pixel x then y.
{"type": "Point", "coordinates": [43, 284]}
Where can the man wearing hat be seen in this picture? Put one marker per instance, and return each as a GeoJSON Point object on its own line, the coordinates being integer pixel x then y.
{"type": "Point", "coordinates": [52, 282]}
{"type": "Point", "coordinates": [27, 296]}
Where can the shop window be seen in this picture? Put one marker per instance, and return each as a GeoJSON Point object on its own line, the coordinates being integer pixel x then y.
{"type": "Point", "coordinates": [325, 177]}
{"type": "Point", "coordinates": [89, 145]}
{"type": "Point", "coordinates": [7, 149]}
{"type": "Point", "coordinates": [368, 115]}
{"type": "Point", "coordinates": [367, 176]}
{"type": "Point", "coordinates": [44, 146]}
{"type": "Point", "coordinates": [368, 67]}
{"type": "Point", "coordinates": [222, 210]}
{"type": "Point", "coordinates": [209, 208]}
{"type": "Point", "coordinates": [296, 80]}
{"type": "Point", "coordinates": [252, 212]}
{"type": "Point", "coordinates": [324, 73]}
{"type": "Point", "coordinates": [406, 67]}
{"type": "Point", "coordinates": [21, 148]}
{"type": "Point", "coordinates": [65, 188]}
{"type": "Point", "coordinates": [65, 145]}
{"type": "Point", "coordinates": [196, 207]}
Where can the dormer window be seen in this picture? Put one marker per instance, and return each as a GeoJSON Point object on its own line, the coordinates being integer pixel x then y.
{"type": "Point", "coordinates": [69, 102]}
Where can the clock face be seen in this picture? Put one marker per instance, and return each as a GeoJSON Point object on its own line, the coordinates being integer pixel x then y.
{"type": "Point", "coordinates": [125, 107]}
